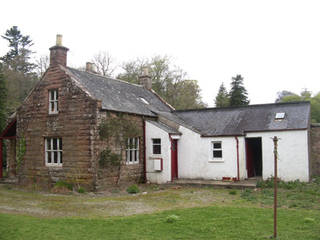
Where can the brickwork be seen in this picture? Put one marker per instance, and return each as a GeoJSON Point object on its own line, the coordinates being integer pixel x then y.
{"type": "Point", "coordinates": [315, 150]}
{"type": "Point", "coordinates": [77, 124]}
{"type": "Point", "coordinates": [129, 173]}
{"type": "Point", "coordinates": [74, 124]}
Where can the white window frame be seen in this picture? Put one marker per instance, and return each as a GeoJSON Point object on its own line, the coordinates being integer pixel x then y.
{"type": "Point", "coordinates": [156, 144]}
{"type": "Point", "coordinates": [132, 151]}
{"type": "Point", "coordinates": [53, 101]}
{"type": "Point", "coordinates": [50, 151]}
{"type": "Point", "coordinates": [216, 159]}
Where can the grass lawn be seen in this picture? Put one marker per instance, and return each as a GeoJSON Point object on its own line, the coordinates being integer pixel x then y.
{"type": "Point", "coordinates": [163, 213]}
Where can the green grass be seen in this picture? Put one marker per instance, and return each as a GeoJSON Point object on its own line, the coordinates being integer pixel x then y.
{"type": "Point", "coordinates": [194, 223]}
{"type": "Point", "coordinates": [165, 212]}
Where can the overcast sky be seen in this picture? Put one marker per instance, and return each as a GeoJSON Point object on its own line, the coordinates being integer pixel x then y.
{"type": "Point", "coordinates": [274, 45]}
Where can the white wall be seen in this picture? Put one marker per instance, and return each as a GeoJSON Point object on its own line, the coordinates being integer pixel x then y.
{"type": "Point", "coordinates": [195, 156]}
{"type": "Point", "coordinates": [153, 131]}
{"type": "Point", "coordinates": [293, 161]}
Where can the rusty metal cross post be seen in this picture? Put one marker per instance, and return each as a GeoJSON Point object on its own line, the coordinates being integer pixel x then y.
{"type": "Point", "coordinates": [275, 203]}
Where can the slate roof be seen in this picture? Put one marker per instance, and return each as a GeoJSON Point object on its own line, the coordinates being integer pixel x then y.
{"type": "Point", "coordinates": [233, 121]}
{"type": "Point", "coordinates": [165, 127]}
{"type": "Point", "coordinates": [117, 95]}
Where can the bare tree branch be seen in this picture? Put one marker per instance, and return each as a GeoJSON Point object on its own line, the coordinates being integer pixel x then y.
{"type": "Point", "coordinates": [104, 64]}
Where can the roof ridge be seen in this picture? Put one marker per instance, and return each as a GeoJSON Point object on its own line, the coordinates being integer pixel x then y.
{"type": "Point", "coordinates": [246, 106]}
{"type": "Point", "coordinates": [107, 78]}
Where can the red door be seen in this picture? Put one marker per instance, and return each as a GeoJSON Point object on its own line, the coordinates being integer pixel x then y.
{"type": "Point", "coordinates": [174, 159]}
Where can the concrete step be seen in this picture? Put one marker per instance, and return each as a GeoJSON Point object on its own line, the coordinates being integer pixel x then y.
{"type": "Point", "coordinates": [252, 183]}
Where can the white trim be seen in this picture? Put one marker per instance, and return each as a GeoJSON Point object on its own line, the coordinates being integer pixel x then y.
{"type": "Point", "coordinates": [132, 152]}
{"type": "Point", "coordinates": [216, 159]}
{"type": "Point", "coordinates": [50, 150]}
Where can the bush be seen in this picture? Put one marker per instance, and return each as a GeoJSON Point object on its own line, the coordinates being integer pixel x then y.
{"type": "Point", "coordinates": [63, 184]}
{"type": "Point", "coordinates": [81, 190]}
{"type": "Point", "coordinates": [133, 189]}
{"type": "Point", "coordinates": [232, 192]}
{"type": "Point", "coordinates": [172, 218]}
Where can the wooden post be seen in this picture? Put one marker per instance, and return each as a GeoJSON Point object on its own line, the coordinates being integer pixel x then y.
{"type": "Point", "coordinates": [275, 151]}
{"type": "Point", "coordinates": [1, 145]}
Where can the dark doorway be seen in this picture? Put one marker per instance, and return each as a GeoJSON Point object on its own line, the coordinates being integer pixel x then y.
{"type": "Point", "coordinates": [254, 157]}
{"type": "Point", "coordinates": [174, 159]}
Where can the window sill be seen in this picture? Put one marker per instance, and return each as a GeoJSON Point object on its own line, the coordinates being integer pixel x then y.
{"type": "Point", "coordinates": [216, 161]}
{"type": "Point", "coordinates": [53, 113]}
{"type": "Point", "coordinates": [131, 163]}
{"type": "Point", "coordinates": [54, 165]}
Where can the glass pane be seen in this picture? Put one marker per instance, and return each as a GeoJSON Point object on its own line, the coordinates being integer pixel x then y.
{"type": "Point", "coordinates": [48, 145]}
{"type": "Point", "coordinates": [57, 95]}
{"type": "Point", "coordinates": [49, 157]}
{"type": "Point", "coordinates": [156, 149]}
{"type": "Point", "coordinates": [217, 154]}
{"type": "Point", "coordinates": [131, 157]}
{"type": "Point", "coordinates": [216, 145]}
{"type": "Point", "coordinates": [55, 157]}
{"type": "Point", "coordinates": [55, 144]}
{"type": "Point", "coordinates": [60, 144]}
{"type": "Point", "coordinates": [60, 154]}
{"type": "Point", "coordinates": [51, 95]}
{"type": "Point", "coordinates": [156, 141]}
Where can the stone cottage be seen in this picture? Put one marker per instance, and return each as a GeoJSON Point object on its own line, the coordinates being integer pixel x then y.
{"type": "Point", "coordinates": [56, 134]}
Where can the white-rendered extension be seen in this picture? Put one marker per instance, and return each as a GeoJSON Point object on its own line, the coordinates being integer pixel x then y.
{"type": "Point", "coordinates": [195, 159]}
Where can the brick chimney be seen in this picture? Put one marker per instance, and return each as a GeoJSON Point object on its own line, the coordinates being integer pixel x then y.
{"type": "Point", "coordinates": [58, 53]}
{"type": "Point", "coordinates": [90, 67]}
{"type": "Point", "coordinates": [145, 79]}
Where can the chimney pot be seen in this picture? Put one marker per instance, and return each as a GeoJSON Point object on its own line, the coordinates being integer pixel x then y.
{"type": "Point", "coordinates": [59, 40]}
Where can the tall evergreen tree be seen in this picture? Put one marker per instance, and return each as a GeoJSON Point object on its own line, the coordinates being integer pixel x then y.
{"type": "Point", "coordinates": [238, 94]}
{"type": "Point", "coordinates": [222, 98]}
{"type": "Point", "coordinates": [19, 72]}
{"type": "Point", "coordinates": [18, 57]}
{"type": "Point", "coordinates": [3, 97]}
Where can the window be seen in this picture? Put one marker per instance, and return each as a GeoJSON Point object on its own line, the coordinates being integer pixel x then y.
{"type": "Point", "coordinates": [53, 101]}
{"type": "Point", "coordinates": [217, 151]}
{"type": "Point", "coordinates": [132, 150]}
{"type": "Point", "coordinates": [144, 100]}
{"type": "Point", "coordinates": [156, 146]}
{"type": "Point", "coordinates": [53, 151]}
{"type": "Point", "coordinates": [279, 116]}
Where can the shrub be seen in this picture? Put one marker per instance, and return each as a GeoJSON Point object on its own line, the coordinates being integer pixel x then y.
{"type": "Point", "coordinates": [172, 218]}
{"type": "Point", "coordinates": [232, 192]}
{"type": "Point", "coordinates": [81, 190]}
{"type": "Point", "coordinates": [133, 189]}
{"type": "Point", "coordinates": [63, 184]}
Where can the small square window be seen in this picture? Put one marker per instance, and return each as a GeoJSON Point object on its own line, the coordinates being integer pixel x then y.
{"type": "Point", "coordinates": [280, 116]}
{"type": "Point", "coordinates": [217, 151]}
{"type": "Point", "coordinates": [156, 146]}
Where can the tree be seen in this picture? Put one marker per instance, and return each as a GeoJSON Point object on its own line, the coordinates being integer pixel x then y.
{"type": "Point", "coordinates": [170, 83]}
{"type": "Point", "coordinates": [3, 97]}
{"type": "Point", "coordinates": [104, 64]}
{"type": "Point", "coordinates": [17, 68]}
{"type": "Point", "coordinates": [19, 54]}
{"type": "Point", "coordinates": [238, 94]}
{"type": "Point", "coordinates": [306, 95]}
{"type": "Point", "coordinates": [42, 65]}
{"type": "Point", "coordinates": [222, 98]}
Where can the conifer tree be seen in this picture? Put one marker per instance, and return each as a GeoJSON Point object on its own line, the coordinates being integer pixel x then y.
{"type": "Point", "coordinates": [238, 94]}
{"type": "Point", "coordinates": [222, 98]}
